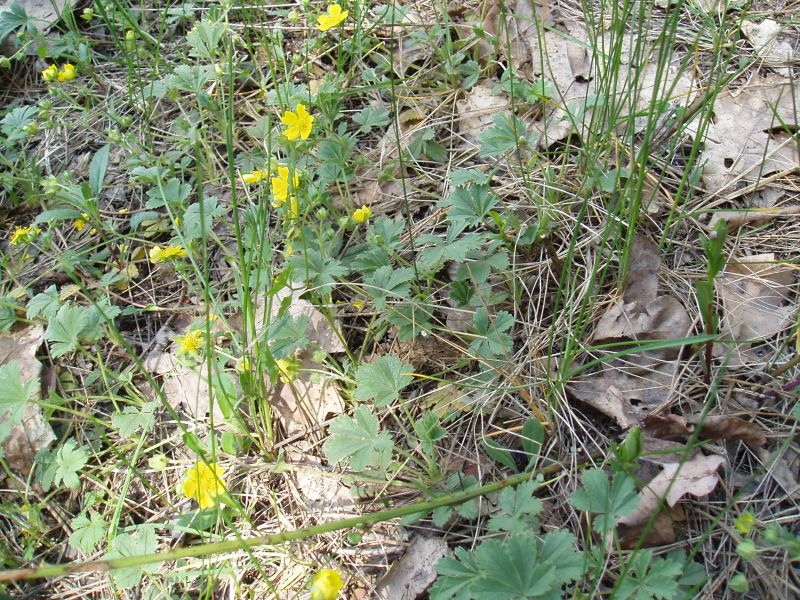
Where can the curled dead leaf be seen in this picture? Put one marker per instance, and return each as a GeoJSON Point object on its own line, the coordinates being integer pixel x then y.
{"type": "Point", "coordinates": [696, 477]}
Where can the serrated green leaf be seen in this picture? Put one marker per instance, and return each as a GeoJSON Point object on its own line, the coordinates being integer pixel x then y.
{"type": "Point", "coordinates": [287, 334]}
{"type": "Point", "coordinates": [508, 132]}
{"type": "Point", "coordinates": [87, 532]}
{"type": "Point", "coordinates": [45, 303]}
{"type": "Point", "coordinates": [411, 319]}
{"type": "Point", "coordinates": [469, 205]}
{"type": "Point", "coordinates": [63, 331]}
{"type": "Point", "coordinates": [204, 39]}
{"type": "Point", "coordinates": [371, 117]}
{"type": "Point", "coordinates": [13, 123]}
{"type": "Point", "coordinates": [386, 283]}
{"type": "Point", "coordinates": [608, 502]}
{"type": "Point", "coordinates": [14, 396]}
{"type": "Point", "coordinates": [457, 482]}
{"type": "Point", "coordinates": [13, 18]}
{"type": "Point", "coordinates": [198, 225]}
{"type": "Point", "coordinates": [70, 460]}
{"type": "Point", "coordinates": [143, 541]}
{"type": "Point", "coordinates": [462, 177]}
{"type": "Point", "coordinates": [428, 431]}
{"type": "Point", "coordinates": [359, 441]}
{"type": "Point", "coordinates": [317, 270]}
{"type": "Point", "coordinates": [493, 341]}
{"type": "Point", "coordinates": [132, 418]}
{"type": "Point", "coordinates": [382, 380]}
{"type": "Point", "coordinates": [518, 509]}
{"type": "Point", "coordinates": [173, 192]}
{"type": "Point", "coordinates": [650, 578]}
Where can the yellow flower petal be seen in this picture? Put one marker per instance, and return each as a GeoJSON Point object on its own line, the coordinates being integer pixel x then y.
{"type": "Point", "coordinates": [298, 122]}
{"type": "Point", "coordinates": [50, 73]}
{"type": "Point", "coordinates": [334, 17]}
{"type": "Point", "coordinates": [204, 483]}
{"type": "Point", "coordinates": [326, 585]}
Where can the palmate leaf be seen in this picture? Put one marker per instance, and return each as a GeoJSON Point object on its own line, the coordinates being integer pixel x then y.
{"type": "Point", "coordinates": [650, 578]}
{"type": "Point", "coordinates": [196, 223]}
{"type": "Point", "coordinates": [14, 396]}
{"type": "Point", "coordinates": [493, 341]}
{"type": "Point", "coordinates": [382, 380]}
{"type": "Point", "coordinates": [65, 329]}
{"type": "Point", "coordinates": [428, 431]}
{"type": "Point", "coordinates": [70, 460]}
{"type": "Point", "coordinates": [45, 303]}
{"type": "Point", "coordinates": [13, 18]}
{"type": "Point", "coordinates": [520, 567]}
{"type": "Point", "coordinates": [469, 205]}
{"type": "Point", "coordinates": [386, 283]}
{"type": "Point", "coordinates": [357, 440]}
{"type": "Point", "coordinates": [87, 532]}
{"type": "Point", "coordinates": [317, 270]}
{"type": "Point", "coordinates": [142, 541]}
{"type": "Point", "coordinates": [518, 509]}
{"type": "Point", "coordinates": [608, 502]}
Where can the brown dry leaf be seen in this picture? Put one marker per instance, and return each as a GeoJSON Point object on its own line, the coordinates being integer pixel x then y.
{"type": "Point", "coordinates": [661, 533]}
{"type": "Point", "coordinates": [324, 494]}
{"type": "Point", "coordinates": [641, 313]}
{"type": "Point", "coordinates": [319, 331]}
{"type": "Point", "coordinates": [410, 49]}
{"type": "Point", "coordinates": [697, 477]}
{"type": "Point", "coordinates": [33, 433]}
{"type": "Point", "coordinates": [477, 110]}
{"type": "Point", "coordinates": [626, 393]}
{"type": "Point", "coordinates": [715, 427]}
{"type": "Point", "coordinates": [414, 572]}
{"type": "Point", "coordinates": [182, 385]}
{"type": "Point", "coordinates": [776, 54]}
{"type": "Point", "coordinates": [737, 218]}
{"type": "Point", "coordinates": [307, 402]}
{"type": "Point", "coordinates": [757, 301]}
{"type": "Point", "coordinates": [739, 142]}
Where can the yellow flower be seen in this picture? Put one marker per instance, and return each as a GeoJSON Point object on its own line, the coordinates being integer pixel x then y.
{"type": "Point", "coordinates": [190, 344]}
{"type": "Point", "coordinates": [298, 123]}
{"type": "Point", "coordinates": [159, 254]}
{"type": "Point", "coordinates": [50, 73]}
{"type": "Point", "coordinates": [79, 224]}
{"type": "Point", "coordinates": [362, 214]}
{"type": "Point", "coordinates": [24, 235]}
{"type": "Point", "coordinates": [67, 72]}
{"type": "Point", "coordinates": [280, 185]}
{"type": "Point", "coordinates": [289, 369]}
{"type": "Point", "coordinates": [334, 17]}
{"type": "Point", "coordinates": [204, 483]}
{"type": "Point", "coordinates": [253, 177]}
{"type": "Point", "coordinates": [745, 522]}
{"type": "Point", "coordinates": [326, 585]}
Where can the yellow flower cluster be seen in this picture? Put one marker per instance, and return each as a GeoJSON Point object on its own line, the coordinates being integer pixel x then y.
{"type": "Point", "coordinates": [67, 73]}
{"type": "Point", "coordinates": [159, 254]}
{"type": "Point", "coordinates": [360, 215]}
{"type": "Point", "coordinates": [280, 185]}
{"type": "Point", "coordinates": [326, 585]}
{"type": "Point", "coordinates": [24, 235]}
{"type": "Point", "coordinates": [80, 223]}
{"type": "Point", "coordinates": [253, 177]}
{"type": "Point", "coordinates": [204, 483]}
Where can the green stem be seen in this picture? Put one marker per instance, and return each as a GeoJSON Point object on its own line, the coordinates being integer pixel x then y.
{"type": "Point", "coordinates": [275, 538]}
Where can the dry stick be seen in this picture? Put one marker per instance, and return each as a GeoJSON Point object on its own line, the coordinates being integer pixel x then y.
{"type": "Point", "coordinates": [277, 538]}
